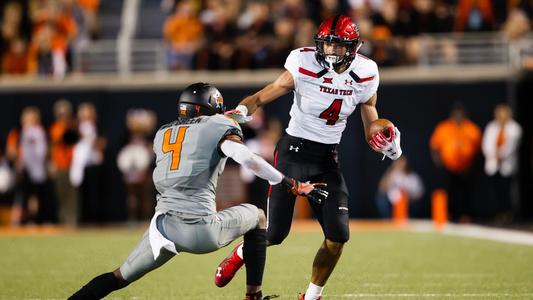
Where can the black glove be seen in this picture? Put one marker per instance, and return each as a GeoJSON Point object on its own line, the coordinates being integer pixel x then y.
{"type": "Point", "coordinates": [313, 191]}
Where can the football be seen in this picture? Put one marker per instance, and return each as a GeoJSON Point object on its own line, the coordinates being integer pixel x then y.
{"type": "Point", "coordinates": [380, 125]}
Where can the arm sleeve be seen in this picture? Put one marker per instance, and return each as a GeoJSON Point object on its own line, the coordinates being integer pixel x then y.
{"type": "Point", "coordinates": [242, 155]}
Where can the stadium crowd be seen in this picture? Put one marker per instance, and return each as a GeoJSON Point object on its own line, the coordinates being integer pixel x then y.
{"type": "Point", "coordinates": [260, 34]}
{"type": "Point", "coordinates": [38, 36]}
{"type": "Point", "coordinates": [52, 173]}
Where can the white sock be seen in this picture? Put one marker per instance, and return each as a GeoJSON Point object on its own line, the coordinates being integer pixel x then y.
{"type": "Point", "coordinates": [239, 251]}
{"type": "Point", "coordinates": [313, 292]}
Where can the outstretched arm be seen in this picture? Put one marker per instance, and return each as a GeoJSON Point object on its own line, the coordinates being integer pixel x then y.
{"type": "Point", "coordinates": [233, 147]}
{"type": "Point", "coordinates": [281, 86]}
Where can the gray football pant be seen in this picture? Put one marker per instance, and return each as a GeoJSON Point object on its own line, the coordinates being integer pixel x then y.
{"type": "Point", "coordinates": [190, 234]}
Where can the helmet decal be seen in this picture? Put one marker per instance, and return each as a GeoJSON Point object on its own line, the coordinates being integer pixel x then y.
{"type": "Point", "coordinates": [183, 109]}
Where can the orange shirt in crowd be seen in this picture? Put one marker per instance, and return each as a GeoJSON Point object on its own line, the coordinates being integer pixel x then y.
{"type": "Point", "coordinates": [465, 7]}
{"type": "Point", "coordinates": [457, 144]}
{"type": "Point", "coordinates": [15, 63]}
{"type": "Point", "coordinates": [12, 144]}
{"type": "Point", "coordinates": [89, 5]}
{"type": "Point", "coordinates": [66, 26]}
{"type": "Point", "coordinates": [179, 30]}
{"type": "Point", "coordinates": [61, 153]}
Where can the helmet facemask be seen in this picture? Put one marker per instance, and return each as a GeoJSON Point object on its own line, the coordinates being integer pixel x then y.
{"type": "Point", "coordinates": [333, 61]}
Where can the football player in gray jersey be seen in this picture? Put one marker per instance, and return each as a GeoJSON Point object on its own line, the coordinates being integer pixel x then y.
{"type": "Point", "coordinates": [191, 153]}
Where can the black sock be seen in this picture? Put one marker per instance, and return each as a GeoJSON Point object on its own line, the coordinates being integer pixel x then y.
{"type": "Point", "coordinates": [254, 254]}
{"type": "Point", "coordinates": [97, 288]}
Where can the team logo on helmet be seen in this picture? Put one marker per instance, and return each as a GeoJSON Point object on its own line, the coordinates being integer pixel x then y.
{"type": "Point", "coordinates": [218, 100]}
{"type": "Point", "coordinates": [183, 109]}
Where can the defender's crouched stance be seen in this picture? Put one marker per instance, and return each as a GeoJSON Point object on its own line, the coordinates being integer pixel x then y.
{"type": "Point", "coordinates": [191, 152]}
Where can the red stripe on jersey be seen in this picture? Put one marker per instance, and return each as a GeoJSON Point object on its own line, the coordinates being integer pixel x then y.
{"type": "Point", "coordinates": [307, 50]}
{"type": "Point", "coordinates": [364, 79]}
{"type": "Point", "coordinates": [307, 72]}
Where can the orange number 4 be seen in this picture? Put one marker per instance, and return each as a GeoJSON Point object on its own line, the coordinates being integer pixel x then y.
{"type": "Point", "coordinates": [175, 147]}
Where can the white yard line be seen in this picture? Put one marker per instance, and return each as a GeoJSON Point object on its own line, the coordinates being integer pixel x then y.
{"type": "Point", "coordinates": [431, 295]}
{"type": "Point", "coordinates": [477, 231]}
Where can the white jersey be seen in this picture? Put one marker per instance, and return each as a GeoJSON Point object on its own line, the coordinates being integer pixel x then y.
{"type": "Point", "coordinates": [323, 99]}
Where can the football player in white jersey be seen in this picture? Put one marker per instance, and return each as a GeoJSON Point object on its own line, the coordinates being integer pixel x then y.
{"type": "Point", "coordinates": [328, 82]}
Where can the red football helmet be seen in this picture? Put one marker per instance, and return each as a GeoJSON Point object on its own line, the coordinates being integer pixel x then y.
{"type": "Point", "coordinates": [337, 29]}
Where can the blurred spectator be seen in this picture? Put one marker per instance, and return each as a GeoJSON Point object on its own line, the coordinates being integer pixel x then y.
{"type": "Point", "coordinates": [303, 35]}
{"type": "Point", "coordinates": [282, 45]}
{"type": "Point", "coordinates": [15, 21]}
{"type": "Point", "coordinates": [238, 34]}
{"type": "Point", "coordinates": [134, 161]}
{"type": "Point", "coordinates": [54, 29]}
{"type": "Point", "coordinates": [444, 16]}
{"type": "Point", "coordinates": [454, 146]}
{"type": "Point", "coordinates": [90, 25]}
{"type": "Point", "coordinates": [501, 139]}
{"type": "Point", "coordinates": [424, 18]}
{"type": "Point", "coordinates": [63, 136]}
{"type": "Point", "coordinates": [220, 31]}
{"type": "Point", "coordinates": [34, 202]}
{"type": "Point", "coordinates": [328, 8]}
{"type": "Point", "coordinates": [474, 15]}
{"type": "Point", "coordinates": [49, 57]}
{"type": "Point", "coordinates": [398, 178]}
{"type": "Point", "coordinates": [292, 9]}
{"type": "Point", "coordinates": [256, 34]}
{"type": "Point", "coordinates": [517, 25]}
{"type": "Point", "coordinates": [184, 34]}
{"type": "Point", "coordinates": [15, 60]}
{"type": "Point", "coordinates": [86, 167]}
{"type": "Point", "coordinates": [252, 129]}
{"type": "Point", "coordinates": [384, 52]}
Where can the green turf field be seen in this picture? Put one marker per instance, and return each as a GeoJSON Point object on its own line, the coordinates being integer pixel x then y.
{"type": "Point", "coordinates": [375, 265]}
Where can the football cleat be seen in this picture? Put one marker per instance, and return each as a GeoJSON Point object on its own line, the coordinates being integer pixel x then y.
{"type": "Point", "coordinates": [254, 296]}
{"type": "Point", "coordinates": [228, 268]}
{"type": "Point", "coordinates": [259, 296]}
{"type": "Point", "coordinates": [302, 297]}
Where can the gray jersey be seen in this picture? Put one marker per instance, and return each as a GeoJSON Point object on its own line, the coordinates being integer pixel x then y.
{"type": "Point", "coordinates": [188, 163]}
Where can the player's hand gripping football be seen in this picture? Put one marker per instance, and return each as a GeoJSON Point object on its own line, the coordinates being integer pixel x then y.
{"type": "Point", "coordinates": [388, 144]}
{"type": "Point", "coordinates": [239, 114]}
{"type": "Point", "coordinates": [313, 191]}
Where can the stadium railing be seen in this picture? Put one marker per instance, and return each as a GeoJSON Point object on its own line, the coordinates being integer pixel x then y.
{"type": "Point", "coordinates": [473, 49]}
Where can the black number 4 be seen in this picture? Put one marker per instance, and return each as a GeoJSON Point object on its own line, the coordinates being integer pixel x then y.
{"type": "Point", "coordinates": [331, 114]}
